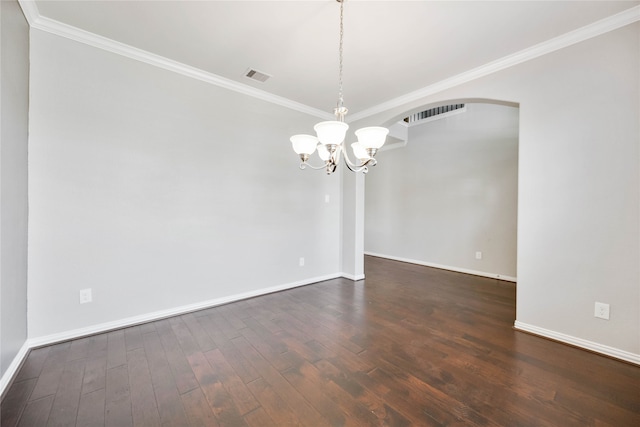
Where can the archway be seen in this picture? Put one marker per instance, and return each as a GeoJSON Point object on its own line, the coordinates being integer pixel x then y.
{"type": "Point", "coordinates": [447, 197]}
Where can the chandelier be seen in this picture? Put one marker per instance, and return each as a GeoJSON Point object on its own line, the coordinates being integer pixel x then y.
{"type": "Point", "coordinates": [329, 141]}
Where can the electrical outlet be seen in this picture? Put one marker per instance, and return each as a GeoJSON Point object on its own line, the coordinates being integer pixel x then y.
{"type": "Point", "coordinates": [301, 262]}
{"type": "Point", "coordinates": [602, 310]}
{"type": "Point", "coordinates": [85, 296]}
{"type": "Point", "coordinates": [326, 198]}
{"type": "Point", "coordinates": [478, 255]}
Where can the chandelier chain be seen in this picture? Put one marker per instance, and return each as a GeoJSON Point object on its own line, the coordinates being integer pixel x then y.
{"type": "Point", "coordinates": [331, 134]}
{"type": "Point", "coordinates": [340, 95]}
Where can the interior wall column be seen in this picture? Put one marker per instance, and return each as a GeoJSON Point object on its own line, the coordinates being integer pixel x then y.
{"type": "Point", "coordinates": [353, 224]}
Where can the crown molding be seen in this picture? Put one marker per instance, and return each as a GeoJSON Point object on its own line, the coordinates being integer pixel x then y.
{"type": "Point", "coordinates": [30, 10]}
{"type": "Point", "coordinates": [63, 30]}
{"type": "Point", "coordinates": [595, 29]}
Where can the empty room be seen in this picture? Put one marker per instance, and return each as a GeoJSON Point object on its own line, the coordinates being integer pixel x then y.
{"type": "Point", "coordinates": [319, 213]}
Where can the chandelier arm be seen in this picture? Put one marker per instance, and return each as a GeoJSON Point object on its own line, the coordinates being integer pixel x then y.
{"type": "Point", "coordinates": [304, 165]}
{"type": "Point", "coordinates": [331, 129]}
{"type": "Point", "coordinates": [362, 167]}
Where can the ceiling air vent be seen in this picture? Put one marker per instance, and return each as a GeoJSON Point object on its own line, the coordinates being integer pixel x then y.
{"type": "Point", "coordinates": [256, 75]}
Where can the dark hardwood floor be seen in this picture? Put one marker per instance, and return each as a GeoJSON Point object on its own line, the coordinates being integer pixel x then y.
{"type": "Point", "coordinates": [409, 346]}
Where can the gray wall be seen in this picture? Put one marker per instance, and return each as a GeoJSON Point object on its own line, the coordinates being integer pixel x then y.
{"type": "Point", "coordinates": [142, 187]}
{"type": "Point", "coordinates": [158, 191]}
{"type": "Point", "coordinates": [578, 187]}
{"type": "Point", "coordinates": [14, 101]}
{"type": "Point", "coordinates": [450, 192]}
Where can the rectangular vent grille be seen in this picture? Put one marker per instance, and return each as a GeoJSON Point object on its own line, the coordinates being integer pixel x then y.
{"type": "Point", "coordinates": [432, 112]}
{"type": "Point", "coordinates": [257, 75]}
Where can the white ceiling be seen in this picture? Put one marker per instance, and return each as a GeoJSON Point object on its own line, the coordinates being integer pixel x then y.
{"type": "Point", "coordinates": [391, 48]}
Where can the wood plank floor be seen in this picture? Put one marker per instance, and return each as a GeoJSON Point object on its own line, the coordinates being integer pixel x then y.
{"type": "Point", "coordinates": [409, 346]}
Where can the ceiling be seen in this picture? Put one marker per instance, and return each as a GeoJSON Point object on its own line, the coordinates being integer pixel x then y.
{"type": "Point", "coordinates": [391, 48]}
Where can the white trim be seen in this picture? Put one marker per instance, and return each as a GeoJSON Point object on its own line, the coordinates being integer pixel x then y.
{"type": "Point", "coordinates": [13, 368]}
{"type": "Point", "coordinates": [149, 317]}
{"type": "Point", "coordinates": [176, 311]}
{"type": "Point", "coordinates": [579, 342]}
{"type": "Point", "coordinates": [354, 277]}
{"type": "Point", "coordinates": [63, 30]}
{"type": "Point", "coordinates": [30, 10]}
{"type": "Point", "coordinates": [446, 267]}
{"type": "Point", "coordinates": [595, 29]}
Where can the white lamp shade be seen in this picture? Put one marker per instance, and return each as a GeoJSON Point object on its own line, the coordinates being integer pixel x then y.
{"type": "Point", "coordinates": [304, 144]}
{"type": "Point", "coordinates": [372, 137]}
{"type": "Point", "coordinates": [323, 153]}
{"type": "Point", "coordinates": [360, 152]}
{"type": "Point", "coordinates": [331, 132]}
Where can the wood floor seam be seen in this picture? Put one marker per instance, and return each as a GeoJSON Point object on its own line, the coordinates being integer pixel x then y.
{"type": "Point", "coordinates": [408, 346]}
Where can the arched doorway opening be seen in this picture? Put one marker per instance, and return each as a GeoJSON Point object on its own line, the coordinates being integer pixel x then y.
{"type": "Point", "coordinates": [445, 191]}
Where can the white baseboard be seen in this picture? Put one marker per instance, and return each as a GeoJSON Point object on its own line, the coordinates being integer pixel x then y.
{"type": "Point", "coordinates": [130, 321]}
{"type": "Point", "coordinates": [13, 368]}
{"type": "Point", "coordinates": [136, 320]}
{"type": "Point", "coordinates": [354, 277]}
{"type": "Point", "coordinates": [162, 314]}
{"type": "Point", "coordinates": [579, 342]}
{"type": "Point", "coordinates": [446, 267]}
